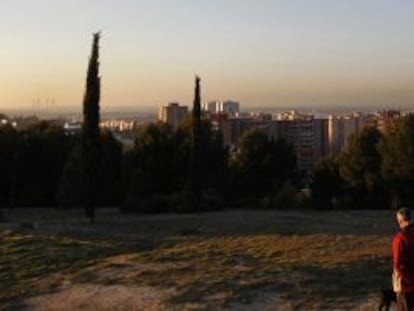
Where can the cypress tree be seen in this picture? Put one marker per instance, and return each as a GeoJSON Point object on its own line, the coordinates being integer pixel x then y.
{"type": "Point", "coordinates": [92, 96]}
{"type": "Point", "coordinates": [196, 152]}
{"type": "Point", "coordinates": [91, 132]}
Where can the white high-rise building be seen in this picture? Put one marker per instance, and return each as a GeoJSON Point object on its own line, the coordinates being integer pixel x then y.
{"type": "Point", "coordinates": [229, 107]}
{"type": "Point", "coordinates": [210, 107]}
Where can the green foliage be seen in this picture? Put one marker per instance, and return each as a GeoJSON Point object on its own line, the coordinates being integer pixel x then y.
{"type": "Point", "coordinates": [360, 160]}
{"type": "Point", "coordinates": [71, 186]}
{"type": "Point", "coordinates": [360, 167]}
{"type": "Point", "coordinates": [157, 168]}
{"type": "Point", "coordinates": [154, 203]}
{"type": "Point", "coordinates": [154, 151]}
{"type": "Point", "coordinates": [211, 199]}
{"type": "Point", "coordinates": [40, 155]}
{"type": "Point", "coordinates": [285, 197]}
{"type": "Point", "coordinates": [90, 151]}
{"type": "Point", "coordinates": [212, 167]}
{"type": "Point", "coordinates": [31, 162]}
{"type": "Point", "coordinates": [90, 129]}
{"type": "Point", "coordinates": [397, 166]}
{"type": "Point", "coordinates": [327, 183]}
{"type": "Point", "coordinates": [9, 139]}
{"type": "Point", "coordinates": [110, 172]}
{"type": "Point", "coordinates": [73, 192]}
{"type": "Point", "coordinates": [154, 166]}
{"type": "Point", "coordinates": [214, 162]}
{"type": "Point", "coordinates": [261, 166]}
{"type": "Point", "coordinates": [195, 185]}
{"type": "Point", "coordinates": [176, 170]}
{"type": "Point", "coordinates": [353, 178]}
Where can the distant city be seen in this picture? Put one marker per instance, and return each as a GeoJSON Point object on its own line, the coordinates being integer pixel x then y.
{"type": "Point", "coordinates": [312, 132]}
{"type": "Point", "coordinates": [48, 109]}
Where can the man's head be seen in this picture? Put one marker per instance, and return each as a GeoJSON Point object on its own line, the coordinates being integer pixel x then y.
{"type": "Point", "coordinates": [403, 217]}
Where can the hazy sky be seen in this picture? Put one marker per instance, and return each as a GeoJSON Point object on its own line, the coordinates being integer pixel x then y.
{"type": "Point", "coordinates": [263, 53]}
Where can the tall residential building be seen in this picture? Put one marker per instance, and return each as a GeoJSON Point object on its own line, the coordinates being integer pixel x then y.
{"type": "Point", "coordinates": [231, 128]}
{"type": "Point", "coordinates": [301, 135]}
{"type": "Point", "coordinates": [299, 131]}
{"type": "Point", "coordinates": [307, 135]}
{"type": "Point", "coordinates": [341, 127]}
{"type": "Point", "coordinates": [173, 114]}
{"type": "Point", "coordinates": [321, 132]}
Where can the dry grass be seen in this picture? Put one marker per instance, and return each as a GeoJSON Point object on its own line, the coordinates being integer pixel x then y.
{"type": "Point", "coordinates": [315, 259]}
{"type": "Point", "coordinates": [27, 258]}
{"type": "Point", "coordinates": [314, 267]}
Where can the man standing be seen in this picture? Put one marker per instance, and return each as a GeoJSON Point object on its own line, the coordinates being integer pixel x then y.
{"type": "Point", "coordinates": [403, 261]}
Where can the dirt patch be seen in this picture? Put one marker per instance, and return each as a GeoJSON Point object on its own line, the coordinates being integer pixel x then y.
{"type": "Point", "coordinates": [98, 297]}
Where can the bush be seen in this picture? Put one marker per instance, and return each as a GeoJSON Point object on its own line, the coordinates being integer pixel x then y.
{"type": "Point", "coordinates": [156, 203]}
{"type": "Point", "coordinates": [181, 203]}
{"type": "Point", "coordinates": [129, 205]}
{"type": "Point", "coordinates": [210, 201]}
{"type": "Point", "coordinates": [285, 197]}
{"type": "Point", "coordinates": [304, 199]}
{"type": "Point", "coordinates": [71, 191]}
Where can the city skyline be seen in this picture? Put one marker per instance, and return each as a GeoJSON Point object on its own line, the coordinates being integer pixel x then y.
{"type": "Point", "coordinates": [316, 53]}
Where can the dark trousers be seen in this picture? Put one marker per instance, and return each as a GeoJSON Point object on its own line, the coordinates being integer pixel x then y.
{"type": "Point", "coordinates": [405, 301]}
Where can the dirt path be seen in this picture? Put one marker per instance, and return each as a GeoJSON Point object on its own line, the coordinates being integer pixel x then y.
{"type": "Point", "coordinates": [98, 297]}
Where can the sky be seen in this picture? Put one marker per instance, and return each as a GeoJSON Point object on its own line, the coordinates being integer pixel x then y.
{"type": "Point", "coordinates": [261, 53]}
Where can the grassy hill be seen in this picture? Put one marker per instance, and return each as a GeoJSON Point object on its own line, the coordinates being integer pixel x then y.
{"type": "Point", "coordinates": [221, 260]}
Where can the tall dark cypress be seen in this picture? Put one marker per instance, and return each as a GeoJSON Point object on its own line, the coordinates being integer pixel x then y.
{"type": "Point", "coordinates": [92, 96]}
{"type": "Point", "coordinates": [196, 155]}
{"type": "Point", "coordinates": [90, 131]}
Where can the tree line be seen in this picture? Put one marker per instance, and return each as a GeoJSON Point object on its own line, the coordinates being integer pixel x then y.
{"type": "Point", "coordinates": [374, 170]}
{"type": "Point", "coordinates": [42, 166]}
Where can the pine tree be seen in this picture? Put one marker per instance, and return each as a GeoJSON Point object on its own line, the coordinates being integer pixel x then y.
{"type": "Point", "coordinates": [91, 132]}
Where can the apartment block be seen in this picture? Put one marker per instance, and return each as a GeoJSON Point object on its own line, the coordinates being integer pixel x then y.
{"type": "Point", "coordinates": [173, 114]}
{"type": "Point", "coordinates": [341, 127]}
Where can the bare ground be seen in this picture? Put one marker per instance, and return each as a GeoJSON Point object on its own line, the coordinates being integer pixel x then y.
{"type": "Point", "coordinates": [231, 260]}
